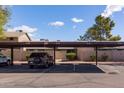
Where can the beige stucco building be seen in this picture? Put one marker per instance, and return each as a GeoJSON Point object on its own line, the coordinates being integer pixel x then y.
{"type": "Point", "coordinates": [21, 54]}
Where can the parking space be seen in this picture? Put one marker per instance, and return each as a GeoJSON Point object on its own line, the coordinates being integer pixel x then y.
{"type": "Point", "coordinates": [17, 68]}
{"type": "Point", "coordinates": [58, 68]}
{"type": "Point", "coordinates": [75, 68]}
{"type": "Point", "coordinates": [62, 75]}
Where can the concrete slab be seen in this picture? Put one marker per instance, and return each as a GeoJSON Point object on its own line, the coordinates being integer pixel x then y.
{"type": "Point", "coordinates": [62, 76]}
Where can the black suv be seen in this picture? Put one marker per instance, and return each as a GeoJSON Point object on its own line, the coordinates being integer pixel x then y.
{"type": "Point", "coordinates": [40, 59]}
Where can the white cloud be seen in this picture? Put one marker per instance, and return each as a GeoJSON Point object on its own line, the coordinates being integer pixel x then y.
{"type": "Point", "coordinates": [110, 9]}
{"type": "Point", "coordinates": [31, 34]}
{"type": "Point", "coordinates": [24, 28]}
{"type": "Point", "coordinates": [77, 20]}
{"type": "Point", "coordinates": [29, 30]}
{"type": "Point", "coordinates": [56, 23]}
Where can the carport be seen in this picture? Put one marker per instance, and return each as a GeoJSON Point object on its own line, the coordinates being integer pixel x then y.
{"type": "Point", "coordinates": [54, 45]}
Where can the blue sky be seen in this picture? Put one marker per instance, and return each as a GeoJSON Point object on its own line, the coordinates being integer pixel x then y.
{"type": "Point", "coordinates": [64, 23]}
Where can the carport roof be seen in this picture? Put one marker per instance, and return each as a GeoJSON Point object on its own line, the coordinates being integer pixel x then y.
{"type": "Point", "coordinates": [62, 44]}
{"type": "Point", "coordinates": [49, 48]}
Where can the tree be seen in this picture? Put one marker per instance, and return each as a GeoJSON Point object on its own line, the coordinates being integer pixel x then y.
{"type": "Point", "coordinates": [100, 31]}
{"type": "Point", "coordinates": [4, 17]}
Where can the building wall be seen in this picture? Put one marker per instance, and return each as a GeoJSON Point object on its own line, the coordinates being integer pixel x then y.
{"type": "Point", "coordinates": [108, 53]}
{"type": "Point", "coordinates": [18, 53]}
{"type": "Point", "coordinates": [84, 53]}
{"type": "Point", "coordinates": [8, 39]}
{"type": "Point", "coordinates": [61, 55]}
{"type": "Point", "coordinates": [23, 38]}
{"type": "Point", "coordinates": [113, 55]}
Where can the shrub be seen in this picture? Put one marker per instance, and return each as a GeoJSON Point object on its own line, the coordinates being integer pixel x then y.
{"type": "Point", "coordinates": [71, 56]}
{"type": "Point", "coordinates": [104, 57]}
{"type": "Point", "coordinates": [93, 57]}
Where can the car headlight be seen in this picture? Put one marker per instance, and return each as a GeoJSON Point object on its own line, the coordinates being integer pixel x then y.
{"type": "Point", "coordinates": [30, 62]}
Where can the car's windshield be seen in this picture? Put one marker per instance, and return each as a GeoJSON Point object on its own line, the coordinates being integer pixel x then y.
{"type": "Point", "coordinates": [2, 56]}
{"type": "Point", "coordinates": [38, 54]}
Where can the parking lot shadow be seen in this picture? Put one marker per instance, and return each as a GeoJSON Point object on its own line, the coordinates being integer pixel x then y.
{"type": "Point", "coordinates": [19, 68]}
{"type": "Point", "coordinates": [59, 68]}
{"type": "Point", "coordinates": [80, 68]}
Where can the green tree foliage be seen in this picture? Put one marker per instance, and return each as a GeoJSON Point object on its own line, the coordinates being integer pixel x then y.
{"type": "Point", "coordinates": [100, 31]}
{"type": "Point", "coordinates": [4, 16]}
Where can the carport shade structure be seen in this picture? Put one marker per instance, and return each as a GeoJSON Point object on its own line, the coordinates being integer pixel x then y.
{"type": "Point", "coordinates": [56, 44]}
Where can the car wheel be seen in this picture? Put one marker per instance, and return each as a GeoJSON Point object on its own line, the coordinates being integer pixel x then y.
{"type": "Point", "coordinates": [51, 64]}
{"type": "Point", "coordinates": [31, 66]}
{"type": "Point", "coordinates": [8, 62]}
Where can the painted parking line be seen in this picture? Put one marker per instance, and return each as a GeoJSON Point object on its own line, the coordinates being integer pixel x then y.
{"type": "Point", "coordinates": [74, 67]}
